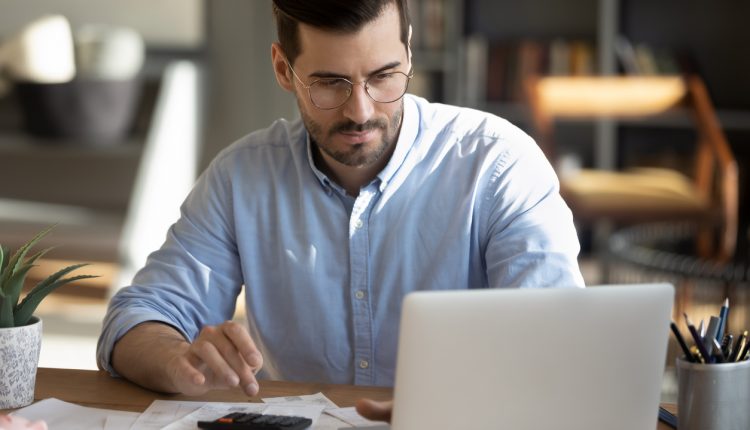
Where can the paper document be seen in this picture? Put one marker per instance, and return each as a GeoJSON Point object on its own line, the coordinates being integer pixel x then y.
{"type": "Point", "coordinates": [61, 415]}
{"type": "Point", "coordinates": [317, 398]}
{"type": "Point", "coordinates": [351, 417]}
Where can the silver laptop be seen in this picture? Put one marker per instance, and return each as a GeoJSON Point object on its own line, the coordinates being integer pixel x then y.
{"type": "Point", "coordinates": [521, 359]}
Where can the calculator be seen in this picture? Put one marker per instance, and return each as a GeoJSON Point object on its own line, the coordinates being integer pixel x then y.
{"type": "Point", "coordinates": [252, 421]}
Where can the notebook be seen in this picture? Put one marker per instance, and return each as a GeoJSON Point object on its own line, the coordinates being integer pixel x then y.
{"type": "Point", "coordinates": [522, 359]}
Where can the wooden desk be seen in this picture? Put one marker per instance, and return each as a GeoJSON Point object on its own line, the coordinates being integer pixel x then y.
{"type": "Point", "coordinates": [98, 389]}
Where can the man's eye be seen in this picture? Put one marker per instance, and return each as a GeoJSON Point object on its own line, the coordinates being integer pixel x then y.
{"type": "Point", "coordinates": [332, 83]}
{"type": "Point", "coordinates": [382, 77]}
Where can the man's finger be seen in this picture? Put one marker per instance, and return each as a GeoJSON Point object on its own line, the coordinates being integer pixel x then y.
{"type": "Point", "coordinates": [187, 376]}
{"type": "Point", "coordinates": [375, 410]}
{"type": "Point", "coordinates": [244, 344]}
{"type": "Point", "coordinates": [208, 353]}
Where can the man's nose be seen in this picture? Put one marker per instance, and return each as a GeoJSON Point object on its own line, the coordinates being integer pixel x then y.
{"type": "Point", "coordinates": [359, 108]}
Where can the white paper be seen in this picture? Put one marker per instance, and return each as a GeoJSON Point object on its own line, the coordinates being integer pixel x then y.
{"type": "Point", "coordinates": [161, 413]}
{"type": "Point", "coordinates": [61, 415]}
{"type": "Point", "coordinates": [317, 398]}
{"type": "Point", "coordinates": [351, 417]}
{"type": "Point", "coordinates": [120, 422]}
{"type": "Point", "coordinates": [295, 409]}
{"type": "Point", "coordinates": [329, 422]}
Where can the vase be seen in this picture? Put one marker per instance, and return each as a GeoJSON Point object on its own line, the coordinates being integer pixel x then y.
{"type": "Point", "coordinates": [19, 356]}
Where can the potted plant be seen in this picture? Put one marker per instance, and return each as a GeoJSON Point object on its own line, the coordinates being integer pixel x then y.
{"type": "Point", "coordinates": [20, 330]}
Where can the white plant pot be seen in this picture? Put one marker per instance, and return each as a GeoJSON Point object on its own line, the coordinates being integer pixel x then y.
{"type": "Point", "coordinates": [19, 356]}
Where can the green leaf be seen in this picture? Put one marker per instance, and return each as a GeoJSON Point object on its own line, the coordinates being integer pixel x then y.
{"type": "Point", "coordinates": [12, 289]}
{"type": "Point", "coordinates": [57, 275]}
{"type": "Point", "coordinates": [24, 310]}
{"type": "Point", "coordinates": [4, 262]}
{"type": "Point", "coordinates": [17, 258]}
{"type": "Point", "coordinates": [15, 284]}
{"type": "Point", "coordinates": [6, 313]}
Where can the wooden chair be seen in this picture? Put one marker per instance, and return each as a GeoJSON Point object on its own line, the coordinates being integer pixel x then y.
{"type": "Point", "coordinates": [709, 197]}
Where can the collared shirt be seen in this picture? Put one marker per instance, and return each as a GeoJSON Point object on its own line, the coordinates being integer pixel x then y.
{"type": "Point", "coordinates": [467, 200]}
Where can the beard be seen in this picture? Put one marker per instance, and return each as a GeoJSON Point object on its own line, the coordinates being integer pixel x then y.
{"type": "Point", "coordinates": [362, 154]}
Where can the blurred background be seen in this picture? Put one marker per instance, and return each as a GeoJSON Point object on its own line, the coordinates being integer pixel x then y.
{"type": "Point", "coordinates": [110, 109]}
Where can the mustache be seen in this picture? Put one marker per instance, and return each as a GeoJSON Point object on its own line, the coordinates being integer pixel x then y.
{"type": "Point", "coordinates": [349, 126]}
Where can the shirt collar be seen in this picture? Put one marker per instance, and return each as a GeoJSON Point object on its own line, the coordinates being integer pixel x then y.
{"type": "Point", "coordinates": [407, 136]}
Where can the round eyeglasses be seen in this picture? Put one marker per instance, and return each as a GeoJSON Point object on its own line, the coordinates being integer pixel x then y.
{"type": "Point", "coordinates": [330, 93]}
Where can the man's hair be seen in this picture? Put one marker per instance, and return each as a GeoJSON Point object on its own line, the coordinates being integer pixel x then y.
{"type": "Point", "coordinates": [342, 16]}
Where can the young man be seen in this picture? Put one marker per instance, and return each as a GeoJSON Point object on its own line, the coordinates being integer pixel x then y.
{"type": "Point", "coordinates": [330, 220]}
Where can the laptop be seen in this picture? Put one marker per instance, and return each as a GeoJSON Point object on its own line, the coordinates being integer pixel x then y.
{"type": "Point", "coordinates": [522, 359]}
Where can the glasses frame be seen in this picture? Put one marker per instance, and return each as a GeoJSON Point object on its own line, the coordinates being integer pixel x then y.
{"type": "Point", "coordinates": [409, 76]}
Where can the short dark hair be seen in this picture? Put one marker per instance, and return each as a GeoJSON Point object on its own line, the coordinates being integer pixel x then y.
{"type": "Point", "coordinates": [344, 16]}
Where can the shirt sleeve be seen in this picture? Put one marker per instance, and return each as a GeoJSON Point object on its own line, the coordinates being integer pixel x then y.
{"type": "Point", "coordinates": [193, 280]}
{"type": "Point", "coordinates": [531, 240]}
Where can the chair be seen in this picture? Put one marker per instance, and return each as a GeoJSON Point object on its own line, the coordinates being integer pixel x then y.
{"type": "Point", "coordinates": [709, 197]}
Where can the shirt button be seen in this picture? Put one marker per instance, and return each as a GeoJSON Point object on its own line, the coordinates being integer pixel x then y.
{"type": "Point", "coordinates": [359, 294]}
{"type": "Point", "coordinates": [358, 224]}
{"type": "Point", "coordinates": [363, 364]}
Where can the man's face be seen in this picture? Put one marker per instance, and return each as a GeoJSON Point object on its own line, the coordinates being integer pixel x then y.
{"type": "Point", "coordinates": [361, 131]}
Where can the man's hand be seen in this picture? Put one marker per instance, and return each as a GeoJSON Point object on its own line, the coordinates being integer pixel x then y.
{"type": "Point", "coordinates": [222, 356]}
{"type": "Point", "coordinates": [156, 356]}
{"type": "Point", "coordinates": [375, 410]}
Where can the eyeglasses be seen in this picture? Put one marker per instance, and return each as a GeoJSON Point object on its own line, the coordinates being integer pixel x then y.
{"type": "Point", "coordinates": [330, 93]}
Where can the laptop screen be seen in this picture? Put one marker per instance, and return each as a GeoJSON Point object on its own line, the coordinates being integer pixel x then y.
{"type": "Point", "coordinates": [532, 358]}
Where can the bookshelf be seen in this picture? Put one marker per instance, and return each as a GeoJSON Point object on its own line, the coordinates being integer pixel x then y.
{"type": "Point", "coordinates": [436, 44]}
{"type": "Point", "coordinates": [698, 36]}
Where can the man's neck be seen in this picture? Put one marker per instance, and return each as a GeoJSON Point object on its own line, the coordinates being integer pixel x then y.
{"type": "Point", "coordinates": [352, 179]}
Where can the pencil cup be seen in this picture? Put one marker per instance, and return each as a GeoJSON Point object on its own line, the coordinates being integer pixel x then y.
{"type": "Point", "coordinates": [713, 396]}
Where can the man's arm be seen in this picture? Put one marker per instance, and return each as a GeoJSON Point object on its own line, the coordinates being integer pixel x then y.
{"type": "Point", "coordinates": [531, 238]}
{"type": "Point", "coordinates": [156, 356]}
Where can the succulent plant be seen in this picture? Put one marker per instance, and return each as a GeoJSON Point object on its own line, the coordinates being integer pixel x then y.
{"type": "Point", "coordinates": [13, 271]}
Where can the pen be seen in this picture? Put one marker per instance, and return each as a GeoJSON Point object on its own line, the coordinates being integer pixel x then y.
{"type": "Point", "coordinates": [696, 354]}
{"type": "Point", "coordinates": [723, 316]}
{"type": "Point", "coordinates": [711, 332]}
{"type": "Point", "coordinates": [681, 341]}
{"type": "Point", "coordinates": [719, 355]}
{"type": "Point", "coordinates": [726, 345]}
{"type": "Point", "coordinates": [697, 339]}
{"type": "Point", "coordinates": [740, 348]}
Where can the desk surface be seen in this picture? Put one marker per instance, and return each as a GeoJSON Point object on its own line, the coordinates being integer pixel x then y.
{"type": "Point", "coordinates": [98, 389]}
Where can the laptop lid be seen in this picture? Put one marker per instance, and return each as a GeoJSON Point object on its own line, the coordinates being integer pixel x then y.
{"type": "Point", "coordinates": [532, 358]}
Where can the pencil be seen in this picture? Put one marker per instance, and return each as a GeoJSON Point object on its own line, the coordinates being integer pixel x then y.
{"type": "Point", "coordinates": [697, 339]}
{"type": "Point", "coordinates": [681, 341]}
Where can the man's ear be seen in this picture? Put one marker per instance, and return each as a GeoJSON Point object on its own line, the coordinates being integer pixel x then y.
{"type": "Point", "coordinates": [281, 68]}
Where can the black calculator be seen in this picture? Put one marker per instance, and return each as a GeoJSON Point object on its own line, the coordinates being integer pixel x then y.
{"type": "Point", "coordinates": [251, 421]}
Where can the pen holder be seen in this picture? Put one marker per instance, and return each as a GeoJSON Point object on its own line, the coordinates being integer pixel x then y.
{"type": "Point", "coordinates": [713, 396]}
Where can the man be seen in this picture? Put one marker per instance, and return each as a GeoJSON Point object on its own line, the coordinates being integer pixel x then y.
{"type": "Point", "coordinates": [330, 220]}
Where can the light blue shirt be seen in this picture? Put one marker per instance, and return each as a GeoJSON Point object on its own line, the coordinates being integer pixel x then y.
{"type": "Point", "coordinates": [466, 201]}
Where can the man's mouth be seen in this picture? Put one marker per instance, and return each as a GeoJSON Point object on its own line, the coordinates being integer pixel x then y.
{"type": "Point", "coordinates": [354, 137]}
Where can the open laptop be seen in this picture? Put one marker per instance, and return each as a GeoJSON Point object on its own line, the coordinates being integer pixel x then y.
{"type": "Point", "coordinates": [521, 359]}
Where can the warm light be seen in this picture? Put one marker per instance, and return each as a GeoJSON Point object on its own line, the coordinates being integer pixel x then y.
{"type": "Point", "coordinates": [605, 96]}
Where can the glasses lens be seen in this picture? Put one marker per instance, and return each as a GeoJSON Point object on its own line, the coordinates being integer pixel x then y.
{"type": "Point", "coordinates": [383, 88]}
{"type": "Point", "coordinates": [387, 87]}
{"type": "Point", "coordinates": [330, 93]}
